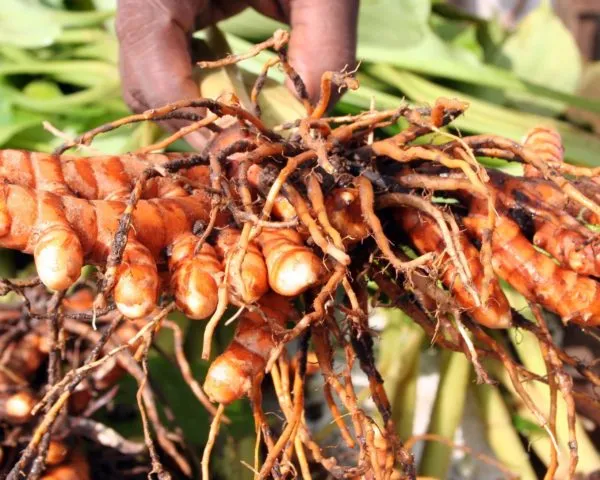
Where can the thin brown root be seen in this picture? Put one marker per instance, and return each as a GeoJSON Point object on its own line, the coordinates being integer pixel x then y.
{"type": "Point", "coordinates": [328, 79]}
{"type": "Point", "coordinates": [157, 466]}
{"type": "Point", "coordinates": [337, 416]}
{"type": "Point", "coordinates": [186, 371]}
{"type": "Point", "coordinates": [305, 322]}
{"type": "Point", "coordinates": [367, 198]}
{"type": "Point", "coordinates": [292, 164]}
{"type": "Point", "coordinates": [298, 407]}
{"type": "Point", "coordinates": [482, 376]}
{"type": "Point", "coordinates": [277, 41]}
{"type": "Point", "coordinates": [182, 132]}
{"type": "Point", "coordinates": [452, 242]}
{"type": "Point", "coordinates": [218, 108]}
{"type": "Point", "coordinates": [513, 374]}
{"type": "Point", "coordinates": [259, 84]}
{"type": "Point", "coordinates": [211, 325]}
{"type": "Point", "coordinates": [315, 194]}
{"type": "Point", "coordinates": [558, 378]}
{"type": "Point", "coordinates": [212, 436]}
{"type": "Point", "coordinates": [306, 218]}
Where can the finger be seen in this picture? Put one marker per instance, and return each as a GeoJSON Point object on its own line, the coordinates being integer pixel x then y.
{"type": "Point", "coordinates": [155, 61]}
{"type": "Point", "coordinates": [276, 9]}
{"type": "Point", "coordinates": [154, 50]}
{"type": "Point", "coordinates": [323, 38]}
{"type": "Point", "coordinates": [217, 10]}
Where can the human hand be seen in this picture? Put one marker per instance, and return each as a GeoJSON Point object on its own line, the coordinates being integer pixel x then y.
{"type": "Point", "coordinates": [155, 38]}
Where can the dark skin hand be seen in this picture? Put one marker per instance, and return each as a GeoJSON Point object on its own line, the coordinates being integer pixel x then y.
{"type": "Point", "coordinates": [155, 38]}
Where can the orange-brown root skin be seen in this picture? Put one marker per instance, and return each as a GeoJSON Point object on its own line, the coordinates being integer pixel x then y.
{"type": "Point", "coordinates": [426, 237]}
{"type": "Point", "coordinates": [293, 268]}
{"type": "Point", "coordinates": [556, 231]}
{"type": "Point", "coordinates": [591, 189]}
{"type": "Point", "coordinates": [546, 144]}
{"type": "Point", "coordinates": [102, 177]}
{"type": "Point", "coordinates": [282, 208]}
{"type": "Point", "coordinates": [136, 290]}
{"type": "Point", "coordinates": [58, 258]}
{"type": "Point", "coordinates": [57, 452]}
{"type": "Point", "coordinates": [76, 467]}
{"type": "Point", "coordinates": [536, 276]}
{"type": "Point", "coordinates": [546, 194]}
{"type": "Point", "coordinates": [345, 215]}
{"type": "Point", "coordinates": [25, 356]}
{"type": "Point", "coordinates": [570, 248]}
{"type": "Point", "coordinates": [156, 224]}
{"type": "Point", "coordinates": [194, 278]}
{"type": "Point", "coordinates": [253, 283]}
{"type": "Point", "coordinates": [230, 376]}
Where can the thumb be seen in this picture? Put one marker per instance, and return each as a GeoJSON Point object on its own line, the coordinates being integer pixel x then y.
{"type": "Point", "coordinates": [323, 38]}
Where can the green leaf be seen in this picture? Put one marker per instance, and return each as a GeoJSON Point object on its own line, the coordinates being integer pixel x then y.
{"type": "Point", "coordinates": [447, 413]}
{"type": "Point", "coordinates": [165, 338]}
{"type": "Point", "coordinates": [42, 89]}
{"type": "Point", "coordinates": [82, 73]}
{"type": "Point", "coordinates": [26, 24]}
{"type": "Point", "coordinates": [14, 121]}
{"type": "Point", "coordinates": [501, 433]}
{"type": "Point", "coordinates": [483, 117]}
{"type": "Point", "coordinates": [110, 5]}
{"type": "Point", "coordinates": [491, 36]}
{"type": "Point", "coordinates": [402, 38]}
{"type": "Point", "coordinates": [458, 34]}
{"type": "Point", "coordinates": [80, 19]}
{"type": "Point", "coordinates": [228, 464]}
{"type": "Point", "coordinates": [190, 415]}
{"type": "Point", "coordinates": [54, 3]}
{"type": "Point", "coordinates": [544, 52]}
{"type": "Point", "coordinates": [7, 263]}
{"type": "Point", "coordinates": [250, 25]}
{"type": "Point", "coordinates": [450, 11]}
{"type": "Point", "coordinates": [65, 104]}
{"type": "Point", "coordinates": [106, 50]}
{"type": "Point", "coordinates": [399, 24]}
{"type": "Point", "coordinates": [16, 54]}
{"type": "Point", "coordinates": [397, 360]}
{"type": "Point", "coordinates": [527, 347]}
{"type": "Point", "coordinates": [526, 427]}
{"type": "Point", "coordinates": [590, 88]}
{"type": "Point", "coordinates": [9, 131]}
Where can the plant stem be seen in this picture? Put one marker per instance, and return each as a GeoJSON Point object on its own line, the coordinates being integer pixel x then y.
{"type": "Point", "coordinates": [500, 432]}
{"type": "Point", "coordinates": [447, 413]}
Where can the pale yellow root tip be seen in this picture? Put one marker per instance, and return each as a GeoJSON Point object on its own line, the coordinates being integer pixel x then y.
{"type": "Point", "coordinates": [224, 384]}
{"type": "Point", "coordinates": [295, 274]}
{"type": "Point", "coordinates": [18, 407]}
{"type": "Point", "coordinates": [195, 291]}
{"type": "Point", "coordinates": [136, 291]}
{"type": "Point", "coordinates": [58, 259]}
